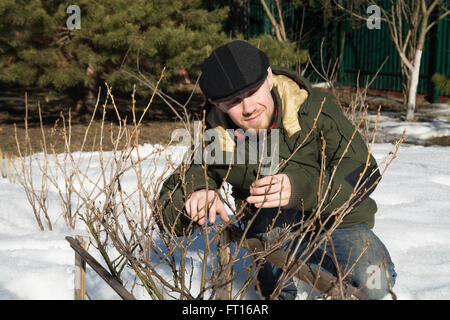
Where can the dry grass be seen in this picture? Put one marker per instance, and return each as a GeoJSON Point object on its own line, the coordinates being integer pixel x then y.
{"type": "Point", "coordinates": [153, 132]}
{"type": "Point", "coordinates": [156, 127]}
{"type": "Point", "coordinates": [441, 141]}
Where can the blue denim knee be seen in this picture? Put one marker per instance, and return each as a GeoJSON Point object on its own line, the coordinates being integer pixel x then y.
{"type": "Point", "coordinates": [373, 270]}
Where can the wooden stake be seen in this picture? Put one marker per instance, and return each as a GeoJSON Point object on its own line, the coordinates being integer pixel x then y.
{"type": "Point", "coordinates": [224, 291]}
{"type": "Point", "coordinates": [80, 272]}
{"type": "Point", "coordinates": [1, 164]}
{"type": "Point", "coordinates": [102, 272]}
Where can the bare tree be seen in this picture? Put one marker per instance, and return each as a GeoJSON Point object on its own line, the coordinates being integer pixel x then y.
{"type": "Point", "coordinates": [353, 109]}
{"type": "Point", "coordinates": [408, 22]}
{"type": "Point", "coordinates": [276, 22]}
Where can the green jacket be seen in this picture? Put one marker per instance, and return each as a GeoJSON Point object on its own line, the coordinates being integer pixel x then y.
{"type": "Point", "coordinates": [298, 105]}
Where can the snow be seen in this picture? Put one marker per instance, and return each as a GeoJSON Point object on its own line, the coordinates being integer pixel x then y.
{"type": "Point", "coordinates": [418, 130]}
{"type": "Point", "coordinates": [434, 121]}
{"type": "Point", "coordinates": [412, 220]}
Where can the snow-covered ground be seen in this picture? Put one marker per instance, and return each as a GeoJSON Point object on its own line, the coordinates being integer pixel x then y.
{"type": "Point", "coordinates": [413, 220]}
{"type": "Point", "coordinates": [420, 130]}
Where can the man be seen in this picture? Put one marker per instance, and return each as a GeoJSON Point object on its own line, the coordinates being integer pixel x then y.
{"type": "Point", "coordinates": [245, 94]}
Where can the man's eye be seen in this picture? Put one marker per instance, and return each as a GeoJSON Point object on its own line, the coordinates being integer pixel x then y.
{"type": "Point", "coordinates": [233, 103]}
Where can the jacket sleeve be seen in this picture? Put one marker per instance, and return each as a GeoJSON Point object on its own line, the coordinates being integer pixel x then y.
{"type": "Point", "coordinates": [174, 192]}
{"type": "Point", "coordinates": [343, 164]}
{"type": "Point", "coordinates": [304, 186]}
{"type": "Point", "coordinates": [302, 168]}
{"type": "Point", "coordinates": [347, 160]}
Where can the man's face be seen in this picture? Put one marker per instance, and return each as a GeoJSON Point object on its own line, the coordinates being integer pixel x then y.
{"type": "Point", "coordinates": [252, 109]}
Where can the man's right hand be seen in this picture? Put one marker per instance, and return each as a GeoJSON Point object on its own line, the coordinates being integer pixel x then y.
{"type": "Point", "coordinates": [196, 203]}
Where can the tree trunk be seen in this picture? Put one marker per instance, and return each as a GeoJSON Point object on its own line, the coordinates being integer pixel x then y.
{"type": "Point", "coordinates": [86, 102]}
{"type": "Point", "coordinates": [414, 82]}
{"type": "Point", "coordinates": [181, 76]}
{"type": "Point", "coordinates": [277, 26]}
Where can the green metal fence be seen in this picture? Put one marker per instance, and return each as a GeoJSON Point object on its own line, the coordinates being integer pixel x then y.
{"type": "Point", "coordinates": [364, 51]}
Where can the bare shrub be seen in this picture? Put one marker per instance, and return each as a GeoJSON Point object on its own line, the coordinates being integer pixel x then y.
{"type": "Point", "coordinates": [115, 194]}
{"type": "Point", "coordinates": [353, 107]}
{"type": "Point", "coordinates": [8, 166]}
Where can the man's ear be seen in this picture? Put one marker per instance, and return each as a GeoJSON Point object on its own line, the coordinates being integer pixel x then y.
{"type": "Point", "coordinates": [270, 77]}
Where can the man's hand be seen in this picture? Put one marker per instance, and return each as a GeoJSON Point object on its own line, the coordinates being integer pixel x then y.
{"type": "Point", "coordinates": [196, 203]}
{"type": "Point", "coordinates": [270, 191]}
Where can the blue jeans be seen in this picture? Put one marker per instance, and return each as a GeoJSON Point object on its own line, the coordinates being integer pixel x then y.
{"type": "Point", "coordinates": [369, 271]}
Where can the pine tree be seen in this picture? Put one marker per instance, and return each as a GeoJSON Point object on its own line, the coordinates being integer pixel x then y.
{"type": "Point", "coordinates": [442, 83]}
{"type": "Point", "coordinates": [38, 49]}
{"type": "Point", "coordinates": [283, 54]}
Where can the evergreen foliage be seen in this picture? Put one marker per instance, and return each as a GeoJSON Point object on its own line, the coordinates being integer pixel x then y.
{"type": "Point", "coordinates": [442, 83]}
{"type": "Point", "coordinates": [38, 49]}
{"type": "Point", "coordinates": [283, 54]}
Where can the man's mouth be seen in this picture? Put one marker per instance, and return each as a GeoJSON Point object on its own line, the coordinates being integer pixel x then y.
{"type": "Point", "coordinates": [254, 118]}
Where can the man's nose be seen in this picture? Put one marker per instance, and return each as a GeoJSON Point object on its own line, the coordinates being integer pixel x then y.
{"type": "Point", "coordinates": [248, 106]}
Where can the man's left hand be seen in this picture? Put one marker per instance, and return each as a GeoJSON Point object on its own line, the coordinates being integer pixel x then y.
{"type": "Point", "coordinates": [270, 191]}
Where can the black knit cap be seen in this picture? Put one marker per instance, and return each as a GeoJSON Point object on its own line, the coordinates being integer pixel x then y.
{"type": "Point", "coordinates": [233, 69]}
